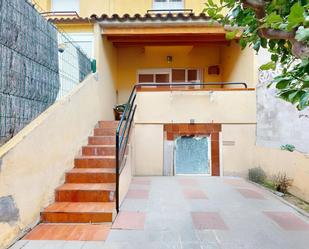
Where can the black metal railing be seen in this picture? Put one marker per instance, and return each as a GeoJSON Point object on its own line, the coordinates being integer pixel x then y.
{"type": "Point", "coordinates": [126, 121]}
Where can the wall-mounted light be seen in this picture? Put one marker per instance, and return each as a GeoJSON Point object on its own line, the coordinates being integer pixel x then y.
{"type": "Point", "coordinates": [61, 47]}
{"type": "Point", "coordinates": [169, 59]}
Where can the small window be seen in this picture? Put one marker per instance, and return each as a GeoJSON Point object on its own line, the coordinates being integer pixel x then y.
{"type": "Point", "coordinates": [168, 4]}
{"type": "Point", "coordinates": [178, 75]}
{"type": "Point", "coordinates": [65, 5]}
{"type": "Point", "coordinates": [145, 78]}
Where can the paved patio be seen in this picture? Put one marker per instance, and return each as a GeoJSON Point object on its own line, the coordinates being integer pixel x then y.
{"type": "Point", "coordinates": [197, 212]}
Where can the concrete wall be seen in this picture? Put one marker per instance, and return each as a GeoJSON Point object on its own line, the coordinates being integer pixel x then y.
{"type": "Point", "coordinates": [240, 153]}
{"type": "Point", "coordinates": [32, 164]}
{"type": "Point", "coordinates": [148, 149]}
{"type": "Point", "coordinates": [203, 106]}
{"type": "Point", "coordinates": [273, 130]}
{"type": "Point", "coordinates": [127, 172]}
{"type": "Point", "coordinates": [157, 108]}
{"type": "Point", "coordinates": [155, 57]}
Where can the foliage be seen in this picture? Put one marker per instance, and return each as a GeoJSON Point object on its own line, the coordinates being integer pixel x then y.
{"type": "Point", "coordinates": [282, 182]}
{"type": "Point", "coordinates": [257, 175]}
{"type": "Point", "coordinates": [288, 147]}
{"type": "Point", "coordinates": [282, 27]}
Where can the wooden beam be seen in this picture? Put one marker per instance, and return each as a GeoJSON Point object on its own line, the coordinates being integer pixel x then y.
{"type": "Point", "coordinates": [175, 43]}
{"type": "Point", "coordinates": [163, 30]}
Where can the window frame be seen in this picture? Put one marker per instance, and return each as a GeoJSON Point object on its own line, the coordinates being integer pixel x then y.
{"type": "Point", "coordinates": [52, 5]}
{"type": "Point", "coordinates": [168, 4]}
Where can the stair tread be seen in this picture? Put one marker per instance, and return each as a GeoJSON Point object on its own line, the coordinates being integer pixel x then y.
{"type": "Point", "coordinates": [103, 136]}
{"type": "Point", "coordinates": [88, 186]}
{"type": "Point", "coordinates": [81, 207]}
{"type": "Point", "coordinates": [92, 170]}
{"type": "Point", "coordinates": [64, 231]}
{"type": "Point", "coordinates": [95, 157]}
{"type": "Point", "coordinates": [100, 146]}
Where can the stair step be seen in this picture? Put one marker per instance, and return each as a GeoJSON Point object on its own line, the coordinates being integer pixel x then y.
{"type": "Point", "coordinates": [95, 162]}
{"type": "Point", "coordinates": [104, 132]}
{"type": "Point", "coordinates": [99, 150]}
{"type": "Point", "coordinates": [91, 175]}
{"type": "Point", "coordinates": [78, 232]}
{"type": "Point", "coordinates": [102, 140]}
{"type": "Point", "coordinates": [108, 124]}
{"type": "Point", "coordinates": [90, 192]}
{"type": "Point", "coordinates": [79, 212]}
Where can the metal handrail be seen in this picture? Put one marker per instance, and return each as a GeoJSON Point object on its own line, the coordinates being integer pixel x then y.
{"type": "Point", "coordinates": [125, 123]}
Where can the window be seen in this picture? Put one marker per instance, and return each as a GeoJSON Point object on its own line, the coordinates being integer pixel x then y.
{"type": "Point", "coordinates": [65, 5]}
{"type": "Point", "coordinates": [169, 75]}
{"type": "Point", "coordinates": [168, 4]}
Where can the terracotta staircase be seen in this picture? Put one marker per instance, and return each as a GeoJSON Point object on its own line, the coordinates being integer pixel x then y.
{"type": "Point", "coordinates": [88, 194]}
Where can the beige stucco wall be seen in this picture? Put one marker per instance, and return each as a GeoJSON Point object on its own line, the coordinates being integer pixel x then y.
{"type": "Point", "coordinates": [127, 172]}
{"type": "Point", "coordinates": [203, 106]}
{"type": "Point", "coordinates": [238, 65]}
{"type": "Point", "coordinates": [106, 57]}
{"type": "Point", "coordinates": [121, 6]}
{"type": "Point", "coordinates": [238, 148]}
{"type": "Point", "coordinates": [237, 159]}
{"type": "Point", "coordinates": [34, 161]}
{"type": "Point", "coordinates": [148, 152]}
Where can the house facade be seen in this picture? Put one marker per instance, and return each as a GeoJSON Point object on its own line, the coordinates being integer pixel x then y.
{"type": "Point", "coordinates": [164, 42]}
{"type": "Point", "coordinates": [192, 108]}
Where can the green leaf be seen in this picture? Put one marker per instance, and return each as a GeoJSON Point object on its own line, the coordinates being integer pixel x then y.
{"type": "Point", "coordinates": [273, 20]}
{"type": "Point", "coordinates": [282, 84]}
{"type": "Point", "coordinates": [302, 34]}
{"type": "Point", "coordinates": [211, 3]}
{"type": "Point", "coordinates": [231, 35]}
{"type": "Point", "coordinates": [296, 16]}
{"type": "Point", "coordinates": [242, 43]}
{"type": "Point", "coordinates": [263, 43]}
{"type": "Point", "coordinates": [268, 66]}
{"type": "Point", "coordinates": [274, 57]}
{"type": "Point", "coordinates": [257, 46]}
{"type": "Point", "coordinates": [304, 101]}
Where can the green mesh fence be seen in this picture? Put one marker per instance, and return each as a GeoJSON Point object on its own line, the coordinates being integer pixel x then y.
{"type": "Point", "coordinates": [38, 65]}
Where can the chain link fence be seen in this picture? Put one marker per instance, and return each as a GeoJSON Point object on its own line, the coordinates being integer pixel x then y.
{"type": "Point", "coordinates": [38, 65]}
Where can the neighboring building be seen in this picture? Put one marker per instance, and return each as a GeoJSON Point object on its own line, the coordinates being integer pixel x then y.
{"type": "Point", "coordinates": [207, 129]}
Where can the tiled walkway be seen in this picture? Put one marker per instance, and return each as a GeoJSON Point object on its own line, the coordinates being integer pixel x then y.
{"type": "Point", "coordinates": [198, 212]}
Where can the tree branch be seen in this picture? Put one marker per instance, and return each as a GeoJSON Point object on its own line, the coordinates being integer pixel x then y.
{"type": "Point", "coordinates": [276, 34]}
{"type": "Point", "coordinates": [299, 49]}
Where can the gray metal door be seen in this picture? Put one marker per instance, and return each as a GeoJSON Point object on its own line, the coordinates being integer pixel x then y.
{"type": "Point", "coordinates": [192, 155]}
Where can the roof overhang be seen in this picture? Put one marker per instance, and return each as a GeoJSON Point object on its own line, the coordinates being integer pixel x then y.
{"type": "Point", "coordinates": [170, 29]}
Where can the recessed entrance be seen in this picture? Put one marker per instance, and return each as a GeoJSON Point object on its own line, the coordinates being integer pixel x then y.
{"type": "Point", "coordinates": [192, 155]}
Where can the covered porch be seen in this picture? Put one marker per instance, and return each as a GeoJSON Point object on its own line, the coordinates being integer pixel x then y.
{"type": "Point", "coordinates": [172, 49]}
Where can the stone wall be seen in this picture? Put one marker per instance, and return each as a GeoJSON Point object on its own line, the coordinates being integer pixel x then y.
{"type": "Point", "coordinates": [29, 67]}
